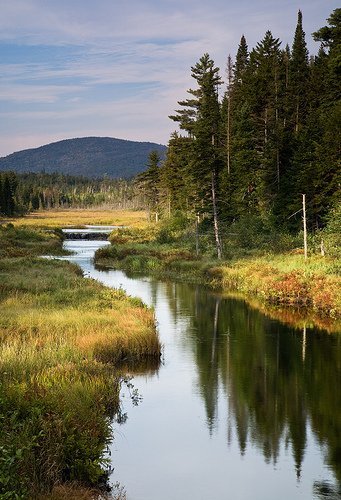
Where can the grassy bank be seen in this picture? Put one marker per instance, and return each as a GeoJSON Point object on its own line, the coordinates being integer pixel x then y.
{"type": "Point", "coordinates": [63, 340]}
{"type": "Point", "coordinates": [284, 278]}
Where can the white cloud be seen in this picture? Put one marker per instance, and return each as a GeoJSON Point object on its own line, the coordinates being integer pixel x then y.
{"type": "Point", "coordinates": [119, 68]}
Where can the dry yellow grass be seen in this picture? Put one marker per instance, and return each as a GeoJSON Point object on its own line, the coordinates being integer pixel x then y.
{"type": "Point", "coordinates": [76, 217]}
{"type": "Point", "coordinates": [106, 335]}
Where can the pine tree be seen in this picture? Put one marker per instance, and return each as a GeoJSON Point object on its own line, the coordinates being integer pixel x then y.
{"type": "Point", "coordinates": [174, 173]}
{"type": "Point", "coordinates": [265, 96]}
{"type": "Point", "coordinates": [8, 186]}
{"type": "Point", "coordinates": [245, 163]}
{"type": "Point", "coordinates": [330, 38]}
{"type": "Point", "coordinates": [299, 75]}
{"type": "Point", "coordinates": [204, 127]}
{"type": "Point", "coordinates": [241, 65]}
{"type": "Point", "coordinates": [149, 182]}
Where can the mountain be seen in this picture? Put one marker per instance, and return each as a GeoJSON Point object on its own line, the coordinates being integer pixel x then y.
{"type": "Point", "coordinates": [88, 156]}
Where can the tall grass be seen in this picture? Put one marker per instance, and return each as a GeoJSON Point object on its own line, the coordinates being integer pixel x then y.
{"type": "Point", "coordinates": [73, 217]}
{"type": "Point", "coordinates": [62, 341]}
{"type": "Point", "coordinates": [257, 260]}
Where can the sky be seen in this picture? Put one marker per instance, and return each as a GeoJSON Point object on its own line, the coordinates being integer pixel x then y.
{"type": "Point", "coordinates": [116, 68]}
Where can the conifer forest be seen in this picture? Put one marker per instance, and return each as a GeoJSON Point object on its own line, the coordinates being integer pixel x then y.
{"type": "Point", "coordinates": [250, 148]}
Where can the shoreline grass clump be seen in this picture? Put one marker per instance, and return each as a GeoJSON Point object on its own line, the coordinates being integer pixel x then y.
{"type": "Point", "coordinates": [65, 342]}
{"type": "Point", "coordinates": [288, 280]}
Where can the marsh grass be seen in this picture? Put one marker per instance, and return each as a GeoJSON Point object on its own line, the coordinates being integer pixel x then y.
{"type": "Point", "coordinates": [271, 267]}
{"type": "Point", "coordinates": [63, 339]}
{"type": "Point", "coordinates": [287, 279]}
{"type": "Point", "coordinates": [26, 242]}
{"type": "Point", "coordinates": [72, 217]}
{"type": "Point", "coordinates": [145, 251]}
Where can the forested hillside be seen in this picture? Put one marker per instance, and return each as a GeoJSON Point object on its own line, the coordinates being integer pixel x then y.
{"type": "Point", "coordinates": [87, 156]}
{"type": "Point", "coordinates": [274, 135]}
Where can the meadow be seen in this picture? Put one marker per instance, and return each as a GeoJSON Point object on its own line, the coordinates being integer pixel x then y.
{"type": "Point", "coordinates": [80, 217]}
{"type": "Point", "coordinates": [67, 344]}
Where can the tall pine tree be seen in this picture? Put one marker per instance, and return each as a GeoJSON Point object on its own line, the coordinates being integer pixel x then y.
{"type": "Point", "coordinates": [204, 111]}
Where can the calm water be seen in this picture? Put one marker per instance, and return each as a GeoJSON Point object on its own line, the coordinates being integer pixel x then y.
{"type": "Point", "coordinates": [243, 406]}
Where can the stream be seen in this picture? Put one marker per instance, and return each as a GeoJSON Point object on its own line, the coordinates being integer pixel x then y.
{"type": "Point", "coordinates": [242, 407]}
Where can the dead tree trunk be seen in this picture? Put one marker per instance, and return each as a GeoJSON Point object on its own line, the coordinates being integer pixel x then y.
{"type": "Point", "coordinates": [215, 220]}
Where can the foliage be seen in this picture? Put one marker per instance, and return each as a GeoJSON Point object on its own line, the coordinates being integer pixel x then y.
{"type": "Point", "coordinates": [62, 338]}
{"type": "Point", "coordinates": [330, 236]}
{"type": "Point", "coordinates": [149, 181]}
{"type": "Point", "coordinates": [23, 193]}
{"type": "Point", "coordinates": [273, 136]}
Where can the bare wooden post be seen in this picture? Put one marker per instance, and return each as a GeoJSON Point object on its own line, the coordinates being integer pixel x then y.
{"type": "Point", "coordinates": [322, 248]}
{"type": "Point", "coordinates": [304, 342]}
{"type": "Point", "coordinates": [197, 234]}
{"type": "Point", "coordinates": [304, 229]}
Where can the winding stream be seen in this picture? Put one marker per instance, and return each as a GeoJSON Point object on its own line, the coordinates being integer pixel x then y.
{"type": "Point", "coordinates": [243, 407]}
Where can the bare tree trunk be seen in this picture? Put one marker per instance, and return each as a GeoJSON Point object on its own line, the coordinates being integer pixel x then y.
{"type": "Point", "coordinates": [229, 77]}
{"type": "Point", "coordinates": [197, 235]}
{"type": "Point", "coordinates": [305, 229]}
{"type": "Point", "coordinates": [215, 220]}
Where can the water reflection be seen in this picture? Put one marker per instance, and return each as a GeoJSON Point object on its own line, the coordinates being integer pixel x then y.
{"type": "Point", "coordinates": [244, 406]}
{"type": "Point", "coordinates": [276, 379]}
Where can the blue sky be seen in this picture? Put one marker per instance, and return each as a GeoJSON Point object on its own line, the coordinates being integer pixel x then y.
{"type": "Point", "coordinates": [110, 68]}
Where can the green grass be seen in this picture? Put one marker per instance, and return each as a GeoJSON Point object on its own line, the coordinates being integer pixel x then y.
{"type": "Point", "coordinates": [64, 342]}
{"type": "Point", "coordinates": [281, 277]}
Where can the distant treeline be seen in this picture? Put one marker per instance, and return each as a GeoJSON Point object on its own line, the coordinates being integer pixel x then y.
{"type": "Point", "coordinates": [22, 193]}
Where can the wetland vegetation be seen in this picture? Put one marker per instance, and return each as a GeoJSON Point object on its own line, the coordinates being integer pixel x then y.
{"type": "Point", "coordinates": [268, 265]}
{"type": "Point", "coordinates": [63, 341]}
{"type": "Point", "coordinates": [67, 343]}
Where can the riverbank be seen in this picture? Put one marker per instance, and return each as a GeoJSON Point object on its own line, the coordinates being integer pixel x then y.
{"type": "Point", "coordinates": [65, 342]}
{"type": "Point", "coordinates": [59, 388]}
{"type": "Point", "coordinates": [281, 279]}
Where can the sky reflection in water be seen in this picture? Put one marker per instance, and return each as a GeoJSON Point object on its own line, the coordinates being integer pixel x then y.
{"type": "Point", "coordinates": [239, 407]}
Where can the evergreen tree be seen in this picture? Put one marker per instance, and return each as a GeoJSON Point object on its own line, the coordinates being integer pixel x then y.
{"type": "Point", "coordinates": [205, 128]}
{"type": "Point", "coordinates": [8, 186]}
{"type": "Point", "coordinates": [274, 136]}
{"type": "Point", "coordinates": [299, 74]}
{"type": "Point", "coordinates": [266, 101]}
{"type": "Point", "coordinates": [149, 182]}
{"type": "Point", "coordinates": [240, 67]}
{"type": "Point", "coordinates": [317, 86]}
{"type": "Point", "coordinates": [174, 175]}
{"type": "Point", "coordinates": [245, 163]}
{"type": "Point", "coordinates": [292, 135]}
{"type": "Point", "coordinates": [330, 38]}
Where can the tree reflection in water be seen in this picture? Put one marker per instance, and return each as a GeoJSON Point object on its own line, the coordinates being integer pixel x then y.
{"type": "Point", "coordinates": [275, 378]}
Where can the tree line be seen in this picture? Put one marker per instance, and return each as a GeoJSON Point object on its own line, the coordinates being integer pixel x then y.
{"type": "Point", "coordinates": [251, 147]}
{"type": "Point", "coordinates": [22, 193]}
